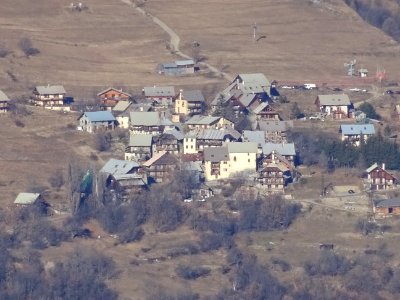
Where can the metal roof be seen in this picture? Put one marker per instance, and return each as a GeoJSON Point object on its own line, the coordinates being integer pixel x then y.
{"type": "Point", "coordinates": [257, 137]}
{"type": "Point", "coordinates": [254, 78]}
{"type": "Point", "coordinates": [387, 203]}
{"type": "Point", "coordinates": [117, 166]}
{"type": "Point", "coordinates": [26, 198]}
{"type": "Point", "coordinates": [216, 154]}
{"type": "Point", "coordinates": [121, 106]}
{"type": "Point", "coordinates": [159, 91]}
{"type": "Point", "coordinates": [202, 120]}
{"type": "Point", "coordinates": [161, 158]}
{"type": "Point", "coordinates": [282, 167]}
{"type": "Point", "coordinates": [99, 116]}
{"type": "Point", "coordinates": [140, 140]}
{"type": "Point", "coordinates": [354, 129]}
{"type": "Point", "coordinates": [145, 118]}
{"type": "Point", "coordinates": [283, 149]}
{"type": "Point", "coordinates": [138, 179]}
{"type": "Point", "coordinates": [117, 90]}
{"type": "Point", "coordinates": [50, 89]}
{"type": "Point", "coordinates": [193, 96]}
{"type": "Point", "coordinates": [259, 108]}
{"type": "Point", "coordinates": [371, 168]}
{"type": "Point", "coordinates": [3, 96]}
{"type": "Point", "coordinates": [333, 99]}
{"type": "Point", "coordinates": [211, 134]}
{"type": "Point", "coordinates": [184, 62]}
{"type": "Point", "coordinates": [247, 99]}
{"type": "Point", "coordinates": [244, 147]}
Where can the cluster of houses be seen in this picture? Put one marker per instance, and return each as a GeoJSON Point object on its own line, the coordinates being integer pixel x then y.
{"type": "Point", "coordinates": [170, 130]}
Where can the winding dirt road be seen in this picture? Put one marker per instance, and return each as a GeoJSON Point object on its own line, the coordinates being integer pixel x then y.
{"type": "Point", "coordinates": [175, 40]}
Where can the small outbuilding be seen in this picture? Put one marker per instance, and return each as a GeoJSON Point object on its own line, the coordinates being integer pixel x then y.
{"type": "Point", "coordinates": [386, 207]}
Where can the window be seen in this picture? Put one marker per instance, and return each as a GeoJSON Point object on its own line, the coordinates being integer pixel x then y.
{"type": "Point", "coordinates": [234, 158]}
{"type": "Point", "coordinates": [187, 147]}
{"type": "Point", "coordinates": [191, 147]}
{"type": "Point", "coordinates": [248, 160]}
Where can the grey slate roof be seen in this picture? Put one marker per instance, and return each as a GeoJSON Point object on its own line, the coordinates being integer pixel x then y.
{"type": "Point", "coordinates": [3, 96]}
{"type": "Point", "coordinates": [354, 129]}
{"type": "Point", "coordinates": [257, 137]}
{"type": "Point", "coordinates": [140, 140]}
{"type": "Point", "coordinates": [26, 198]}
{"type": "Point", "coordinates": [216, 154]}
{"type": "Point", "coordinates": [275, 126]}
{"type": "Point", "coordinates": [193, 96]}
{"type": "Point", "coordinates": [145, 118]}
{"type": "Point", "coordinates": [177, 134]}
{"type": "Point", "coordinates": [99, 116]}
{"type": "Point", "coordinates": [117, 166]}
{"type": "Point", "coordinates": [285, 149]}
{"type": "Point", "coordinates": [333, 100]}
{"type": "Point", "coordinates": [50, 89]}
{"type": "Point", "coordinates": [245, 147]}
{"type": "Point", "coordinates": [387, 203]}
{"type": "Point", "coordinates": [159, 91]}
{"type": "Point", "coordinates": [247, 99]}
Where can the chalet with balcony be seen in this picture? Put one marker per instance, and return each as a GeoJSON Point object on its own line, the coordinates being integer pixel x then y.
{"type": "Point", "coordinates": [336, 106]}
{"type": "Point", "coordinates": [96, 121]}
{"type": "Point", "coordinates": [149, 122]}
{"type": "Point", "coordinates": [274, 175]}
{"type": "Point", "coordinates": [355, 133]}
{"type": "Point", "coordinates": [110, 97]}
{"type": "Point", "coordinates": [4, 102]}
{"type": "Point", "coordinates": [378, 178]}
{"type": "Point", "coordinates": [169, 141]}
{"type": "Point", "coordinates": [229, 160]}
{"type": "Point", "coordinates": [163, 95]}
{"type": "Point", "coordinates": [49, 95]}
{"type": "Point", "coordinates": [384, 208]}
{"type": "Point", "coordinates": [160, 167]}
{"type": "Point", "coordinates": [196, 141]}
{"type": "Point", "coordinates": [198, 122]}
{"type": "Point", "coordinates": [139, 147]}
{"type": "Point", "coordinates": [189, 103]}
{"type": "Point", "coordinates": [124, 176]}
{"type": "Point", "coordinates": [265, 111]}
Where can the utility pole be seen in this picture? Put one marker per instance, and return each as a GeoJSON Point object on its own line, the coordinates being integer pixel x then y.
{"type": "Point", "coordinates": [254, 31]}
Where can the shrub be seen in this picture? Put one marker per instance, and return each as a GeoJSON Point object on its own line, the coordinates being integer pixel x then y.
{"type": "Point", "coordinates": [366, 227]}
{"type": "Point", "coordinates": [25, 44]}
{"type": "Point", "coordinates": [192, 273]}
{"type": "Point", "coordinates": [209, 242]}
{"type": "Point", "coordinates": [103, 141]}
{"type": "Point", "coordinates": [328, 263]}
{"type": "Point", "coordinates": [283, 264]}
{"type": "Point", "coordinates": [57, 179]}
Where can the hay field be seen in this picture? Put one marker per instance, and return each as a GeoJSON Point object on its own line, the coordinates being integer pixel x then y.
{"type": "Point", "coordinates": [303, 41]}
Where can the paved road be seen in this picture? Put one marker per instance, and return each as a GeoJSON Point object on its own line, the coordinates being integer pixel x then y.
{"type": "Point", "coordinates": [175, 40]}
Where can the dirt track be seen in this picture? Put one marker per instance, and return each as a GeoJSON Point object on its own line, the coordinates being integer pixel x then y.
{"type": "Point", "coordinates": [175, 40]}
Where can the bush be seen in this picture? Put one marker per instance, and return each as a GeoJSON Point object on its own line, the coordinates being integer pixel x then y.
{"type": "Point", "coordinates": [132, 235]}
{"type": "Point", "coordinates": [3, 50]}
{"type": "Point", "coordinates": [57, 179]}
{"type": "Point", "coordinates": [192, 273]}
{"type": "Point", "coordinates": [19, 123]}
{"type": "Point", "coordinates": [103, 141]}
{"type": "Point", "coordinates": [186, 249]}
{"type": "Point", "coordinates": [328, 263]}
{"type": "Point", "coordinates": [210, 242]}
{"type": "Point", "coordinates": [283, 264]}
{"type": "Point", "coordinates": [366, 227]}
{"type": "Point", "coordinates": [25, 44]}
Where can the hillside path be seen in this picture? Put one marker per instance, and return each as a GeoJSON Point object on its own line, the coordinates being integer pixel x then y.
{"type": "Point", "coordinates": [175, 40]}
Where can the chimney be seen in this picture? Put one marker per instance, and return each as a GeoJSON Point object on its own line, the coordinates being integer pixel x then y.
{"type": "Point", "coordinates": [383, 166]}
{"type": "Point", "coordinates": [180, 94]}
